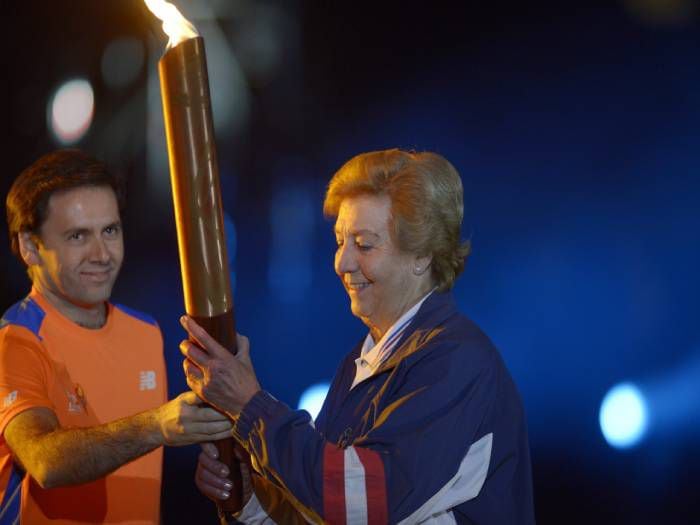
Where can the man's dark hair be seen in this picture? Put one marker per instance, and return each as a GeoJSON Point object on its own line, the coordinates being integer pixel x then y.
{"type": "Point", "coordinates": [28, 199]}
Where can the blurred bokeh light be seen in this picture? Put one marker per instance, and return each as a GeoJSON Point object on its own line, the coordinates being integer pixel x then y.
{"type": "Point", "coordinates": [313, 397]}
{"type": "Point", "coordinates": [623, 416]}
{"type": "Point", "coordinates": [70, 111]}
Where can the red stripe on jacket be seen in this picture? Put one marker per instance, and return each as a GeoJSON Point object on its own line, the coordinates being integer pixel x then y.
{"type": "Point", "coordinates": [333, 484]}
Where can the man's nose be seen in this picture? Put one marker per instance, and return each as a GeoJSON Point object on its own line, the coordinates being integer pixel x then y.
{"type": "Point", "coordinates": [99, 251]}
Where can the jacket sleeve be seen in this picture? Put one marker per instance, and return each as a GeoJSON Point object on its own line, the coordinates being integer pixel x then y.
{"type": "Point", "coordinates": [411, 452]}
{"type": "Point", "coordinates": [270, 505]}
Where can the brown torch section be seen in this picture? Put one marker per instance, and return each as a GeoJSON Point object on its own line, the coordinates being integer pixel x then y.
{"type": "Point", "coordinates": [194, 174]}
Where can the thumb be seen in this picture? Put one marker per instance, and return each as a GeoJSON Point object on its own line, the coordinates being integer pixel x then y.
{"type": "Point", "coordinates": [243, 349]}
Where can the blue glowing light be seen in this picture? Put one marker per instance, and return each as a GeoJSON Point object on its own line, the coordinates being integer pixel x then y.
{"type": "Point", "coordinates": [312, 398]}
{"type": "Point", "coordinates": [623, 416]}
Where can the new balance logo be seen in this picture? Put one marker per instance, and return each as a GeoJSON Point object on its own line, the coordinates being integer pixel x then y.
{"type": "Point", "coordinates": [9, 399]}
{"type": "Point", "coordinates": [147, 380]}
{"type": "Point", "coordinates": [75, 404]}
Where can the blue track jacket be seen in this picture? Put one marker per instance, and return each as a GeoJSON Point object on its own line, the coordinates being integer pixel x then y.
{"type": "Point", "coordinates": [436, 435]}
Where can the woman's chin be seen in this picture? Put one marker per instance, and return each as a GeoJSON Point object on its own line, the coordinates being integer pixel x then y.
{"type": "Point", "coordinates": [358, 308]}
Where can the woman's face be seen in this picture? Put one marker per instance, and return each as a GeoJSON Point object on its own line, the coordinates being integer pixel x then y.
{"type": "Point", "coordinates": [380, 279]}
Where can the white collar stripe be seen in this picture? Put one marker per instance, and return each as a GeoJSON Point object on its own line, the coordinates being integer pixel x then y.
{"type": "Point", "coordinates": [389, 344]}
{"type": "Point", "coordinates": [372, 354]}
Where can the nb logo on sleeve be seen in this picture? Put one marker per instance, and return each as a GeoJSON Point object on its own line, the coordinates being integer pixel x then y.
{"type": "Point", "coordinates": [147, 380]}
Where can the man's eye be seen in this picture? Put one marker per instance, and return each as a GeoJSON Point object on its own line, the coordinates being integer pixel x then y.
{"type": "Point", "coordinates": [363, 247]}
{"type": "Point", "coordinates": [111, 230]}
{"type": "Point", "coordinates": [75, 236]}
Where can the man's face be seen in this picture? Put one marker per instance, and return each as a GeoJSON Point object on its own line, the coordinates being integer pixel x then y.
{"type": "Point", "coordinates": [377, 276]}
{"type": "Point", "coordinates": [80, 246]}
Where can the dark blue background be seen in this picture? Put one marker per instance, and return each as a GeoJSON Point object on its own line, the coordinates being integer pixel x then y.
{"type": "Point", "coordinates": [575, 130]}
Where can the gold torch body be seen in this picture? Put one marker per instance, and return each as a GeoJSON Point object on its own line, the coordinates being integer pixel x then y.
{"type": "Point", "coordinates": [194, 174]}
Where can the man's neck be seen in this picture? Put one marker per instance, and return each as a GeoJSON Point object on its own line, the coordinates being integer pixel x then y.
{"type": "Point", "coordinates": [87, 316]}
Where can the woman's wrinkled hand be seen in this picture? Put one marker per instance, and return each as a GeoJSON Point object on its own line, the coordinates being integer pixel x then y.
{"type": "Point", "coordinates": [224, 380]}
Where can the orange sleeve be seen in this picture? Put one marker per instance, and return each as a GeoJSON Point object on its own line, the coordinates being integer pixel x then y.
{"type": "Point", "coordinates": [24, 374]}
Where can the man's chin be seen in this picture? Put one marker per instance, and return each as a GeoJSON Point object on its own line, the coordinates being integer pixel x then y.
{"type": "Point", "coordinates": [93, 296]}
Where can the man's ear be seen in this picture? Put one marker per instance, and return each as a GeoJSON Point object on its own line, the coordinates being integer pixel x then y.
{"type": "Point", "coordinates": [28, 249]}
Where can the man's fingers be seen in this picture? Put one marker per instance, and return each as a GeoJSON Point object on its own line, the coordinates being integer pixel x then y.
{"type": "Point", "coordinates": [210, 428]}
{"type": "Point", "coordinates": [226, 434]}
{"type": "Point", "coordinates": [205, 435]}
{"type": "Point", "coordinates": [199, 417]}
{"type": "Point", "coordinates": [206, 414]}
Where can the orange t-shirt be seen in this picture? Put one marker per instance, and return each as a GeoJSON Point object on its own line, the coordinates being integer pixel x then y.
{"type": "Point", "coordinates": [87, 377]}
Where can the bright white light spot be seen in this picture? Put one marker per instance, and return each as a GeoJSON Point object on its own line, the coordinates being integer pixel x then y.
{"type": "Point", "coordinates": [623, 416]}
{"type": "Point", "coordinates": [313, 397]}
{"type": "Point", "coordinates": [71, 110]}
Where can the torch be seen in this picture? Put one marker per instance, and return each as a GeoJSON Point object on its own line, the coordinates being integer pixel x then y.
{"type": "Point", "coordinates": [194, 175]}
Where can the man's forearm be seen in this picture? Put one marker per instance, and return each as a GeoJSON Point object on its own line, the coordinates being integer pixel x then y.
{"type": "Point", "coordinates": [56, 456]}
{"type": "Point", "coordinates": [79, 455]}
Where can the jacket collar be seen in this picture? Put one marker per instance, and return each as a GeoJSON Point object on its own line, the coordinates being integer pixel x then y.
{"type": "Point", "coordinates": [427, 323]}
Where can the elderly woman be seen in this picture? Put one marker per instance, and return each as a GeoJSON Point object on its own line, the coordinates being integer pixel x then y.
{"type": "Point", "coordinates": [422, 422]}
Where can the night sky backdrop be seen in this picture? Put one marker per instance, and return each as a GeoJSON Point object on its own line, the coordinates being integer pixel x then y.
{"type": "Point", "coordinates": [575, 128]}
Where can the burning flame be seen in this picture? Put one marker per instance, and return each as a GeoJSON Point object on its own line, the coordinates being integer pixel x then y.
{"type": "Point", "coordinates": [176, 26]}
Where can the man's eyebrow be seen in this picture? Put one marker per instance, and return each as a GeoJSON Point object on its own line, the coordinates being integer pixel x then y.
{"type": "Point", "coordinates": [72, 231]}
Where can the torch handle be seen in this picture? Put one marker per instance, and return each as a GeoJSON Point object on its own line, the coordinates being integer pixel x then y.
{"type": "Point", "coordinates": [223, 329]}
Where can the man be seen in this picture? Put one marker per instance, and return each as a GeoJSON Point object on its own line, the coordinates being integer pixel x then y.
{"type": "Point", "coordinates": [83, 409]}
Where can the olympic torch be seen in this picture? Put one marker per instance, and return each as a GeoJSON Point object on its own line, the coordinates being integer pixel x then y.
{"type": "Point", "coordinates": [194, 174]}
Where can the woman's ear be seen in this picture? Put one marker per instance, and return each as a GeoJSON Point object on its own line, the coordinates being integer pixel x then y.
{"type": "Point", "coordinates": [421, 264]}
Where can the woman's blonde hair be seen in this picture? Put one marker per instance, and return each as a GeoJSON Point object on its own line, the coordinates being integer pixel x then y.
{"type": "Point", "coordinates": [427, 204]}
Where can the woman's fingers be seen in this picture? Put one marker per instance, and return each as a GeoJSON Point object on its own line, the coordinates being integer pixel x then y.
{"type": "Point", "coordinates": [210, 479]}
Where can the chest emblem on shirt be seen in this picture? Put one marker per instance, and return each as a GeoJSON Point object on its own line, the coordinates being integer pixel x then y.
{"type": "Point", "coordinates": [147, 380]}
{"type": "Point", "coordinates": [76, 399]}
